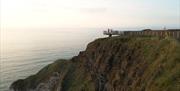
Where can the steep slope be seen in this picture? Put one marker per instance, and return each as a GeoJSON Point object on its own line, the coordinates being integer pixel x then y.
{"type": "Point", "coordinates": [113, 64]}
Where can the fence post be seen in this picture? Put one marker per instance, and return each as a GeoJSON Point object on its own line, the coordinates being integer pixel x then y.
{"type": "Point", "coordinates": [178, 35]}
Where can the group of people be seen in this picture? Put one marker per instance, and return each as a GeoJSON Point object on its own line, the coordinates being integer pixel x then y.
{"type": "Point", "coordinates": [110, 30]}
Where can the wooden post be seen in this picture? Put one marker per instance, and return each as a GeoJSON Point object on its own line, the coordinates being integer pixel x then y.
{"type": "Point", "coordinates": [173, 35]}
{"type": "Point", "coordinates": [178, 35]}
{"type": "Point", "coordinates": [154, 33]}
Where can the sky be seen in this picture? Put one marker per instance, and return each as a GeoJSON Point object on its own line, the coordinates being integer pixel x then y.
{"type": "Point", "coordinates": [89, 13]}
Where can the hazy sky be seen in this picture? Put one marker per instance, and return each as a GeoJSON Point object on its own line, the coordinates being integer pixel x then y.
{"type": "Point", "coordinates": [89, 13]}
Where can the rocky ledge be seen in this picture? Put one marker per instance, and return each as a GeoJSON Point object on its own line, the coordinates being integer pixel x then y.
{"type": "Point", "coordinates": [112, 64]}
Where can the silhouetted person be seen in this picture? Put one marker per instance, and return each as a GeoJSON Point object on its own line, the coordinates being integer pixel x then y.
{"type": "Point", "coordinates": [110, 32]}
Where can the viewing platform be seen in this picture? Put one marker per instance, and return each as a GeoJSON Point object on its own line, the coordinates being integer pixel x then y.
{"type": "Point", "coordinates": [175, 33]}
{"type": "Point", "coordinates": [111, 32]}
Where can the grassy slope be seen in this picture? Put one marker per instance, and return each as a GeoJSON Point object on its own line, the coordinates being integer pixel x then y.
{"type": "Point", "coordinates": [164, 66]}
{"type": "Point", "coordinates": [162, 56]}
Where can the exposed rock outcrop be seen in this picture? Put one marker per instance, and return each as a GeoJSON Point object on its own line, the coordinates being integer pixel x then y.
{"type": "Point", "coordinates": [113, 64]}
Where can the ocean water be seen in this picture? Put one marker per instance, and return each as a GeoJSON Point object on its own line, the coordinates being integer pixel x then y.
{"type": "Point", "coordinates": [24, 52]}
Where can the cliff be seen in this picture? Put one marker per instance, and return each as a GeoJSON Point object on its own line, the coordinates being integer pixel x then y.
{"type": "Point", "coordinates": [112, 64]}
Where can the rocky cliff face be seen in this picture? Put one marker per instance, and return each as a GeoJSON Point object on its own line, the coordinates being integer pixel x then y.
{"type": "Point", "coordinates": [113, 64]}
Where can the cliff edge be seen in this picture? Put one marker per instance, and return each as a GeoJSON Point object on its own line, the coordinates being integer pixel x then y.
{"type": "Point", "coordinates": [112, 64]}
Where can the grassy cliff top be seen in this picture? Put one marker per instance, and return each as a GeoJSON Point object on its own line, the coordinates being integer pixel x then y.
{"type": "Point", "coordinates": [114, 64]}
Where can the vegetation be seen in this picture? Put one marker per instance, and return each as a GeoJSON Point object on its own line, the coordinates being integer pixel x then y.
{"type": "Point", "coordinates": [116, 64]}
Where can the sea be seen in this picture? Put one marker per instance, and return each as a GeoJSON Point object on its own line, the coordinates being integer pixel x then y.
{"type": "Point", "coordinates": [23, 52]}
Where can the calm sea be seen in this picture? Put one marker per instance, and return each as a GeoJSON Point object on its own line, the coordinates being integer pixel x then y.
{"type": "Point", "coordinates": [24, 52]}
